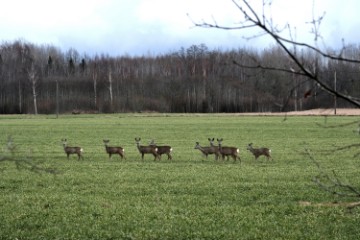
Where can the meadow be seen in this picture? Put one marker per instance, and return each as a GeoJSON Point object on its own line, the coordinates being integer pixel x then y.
{"type": "Point", "coordinates": [190, 197]}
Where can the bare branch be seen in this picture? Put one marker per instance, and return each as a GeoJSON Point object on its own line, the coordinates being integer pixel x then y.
{"type": "Point", "coordinates": [253, 20]}
{"type": "Point", "coordinates": [269, 68]}
{"type": "Point", "coordinates": [332, 183]}
{"type": "Point", "coordinates": [26, 163]}
{"type": "Point", "coordinates": [339, 125]}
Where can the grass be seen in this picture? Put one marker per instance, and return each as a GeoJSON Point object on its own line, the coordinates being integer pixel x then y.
{"type": "Point", "coordinates": [190, 197]}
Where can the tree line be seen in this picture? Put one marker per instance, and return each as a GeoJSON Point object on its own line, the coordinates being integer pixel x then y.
{"type": "Point", "coordinates": [44, 79]}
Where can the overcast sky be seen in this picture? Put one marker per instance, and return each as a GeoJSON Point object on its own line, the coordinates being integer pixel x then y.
{"type": "Point", "coordinates": [142, 27]}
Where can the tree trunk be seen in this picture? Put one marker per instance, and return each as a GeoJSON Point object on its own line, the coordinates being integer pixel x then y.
{"type": "Point", "coordinates": [34, 96]}
{"type": "Point", "coordinates": [20, 98]}
{"type": "Point", "coordinates": [110, 90]}
{"type": "Point", "coordinates": [95, 88]}
{"type": "Point", "coordinates": [57, 98]}
{"type": "Point", "coordinates": [32, 78]}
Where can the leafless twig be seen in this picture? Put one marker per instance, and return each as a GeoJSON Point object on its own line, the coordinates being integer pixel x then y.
{"type": "Point", "coordinates": [26, 162]}
{"type": "Point", "coordinates": [332, 183]}
{"type": "Point", "coordinates": [254, 20]}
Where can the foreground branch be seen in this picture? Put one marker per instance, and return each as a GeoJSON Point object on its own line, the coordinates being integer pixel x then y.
{"type": "Point", "coordinates": [26, 163]}
{"type": "Point", "coordinates": [332, 183]}
{"type": "Point", "coordinates": [254, 20]}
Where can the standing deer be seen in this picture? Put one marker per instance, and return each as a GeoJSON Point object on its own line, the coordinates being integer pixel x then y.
{"type": "Point", "coordinates": [162, 150]}
{"type": "Point", "coordinates": [114, 150]}
{"type": "Point", "coordinates": [72, 150]}
{"type": "Point", "coordinates": [146, 149]}
{"type": "Point", "coordinates": [214, 149]}
{"type": "Point", "coordinates": [228, 151]}
{"type": "Point", "coordinates": [257, 152]}
{"type": "Point", "coordinates": [208, 150]}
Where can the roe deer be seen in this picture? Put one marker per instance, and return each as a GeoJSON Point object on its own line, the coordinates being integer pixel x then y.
{"type": "Point", "coordinates": [114, 150]}
{"type": "Point", "coordinates": [215, 149]}
{"type": "Point", "coordinates": [146, 149]}
{"type": "Point", "coordinates": [228, 151]}
{"type": "Point", "coordinates": [208, 150]}
{"type": "Point", "coordinates": [257, 152]}
{"type": "Point", "coordinates": [162, 150]}
{"type": "Point", "coordinates": [72, 150]}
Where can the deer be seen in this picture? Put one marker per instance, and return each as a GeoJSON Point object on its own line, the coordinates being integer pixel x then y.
{"type": "Point", "coordinates": [208, 150]}
{"type": "Point", "coordinates": [114, 150]}
{"type": "Point", "coordinates": [228, 151]}
{"type": "Point", "coordinates": [72, 150]}
{"type": "Point", "coordinates": [146, 149]}
{"type": "Point", "coordinates": [214, 149]}
{"type": "Point", "coordinates": [257, 152]}
{"type": "Point", "coordinates": [162, 150]}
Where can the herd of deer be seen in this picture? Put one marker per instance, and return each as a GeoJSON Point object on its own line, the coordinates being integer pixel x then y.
{"type": "Point", "coordinates": [157, 151]}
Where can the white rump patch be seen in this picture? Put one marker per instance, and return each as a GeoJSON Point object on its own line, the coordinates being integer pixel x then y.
{"type": "Point", "coordinates": [81, 150]}
{"type": "Point", "coordinates": [170, 149]}
{"type": "Point", "coordinates": [237, 150]}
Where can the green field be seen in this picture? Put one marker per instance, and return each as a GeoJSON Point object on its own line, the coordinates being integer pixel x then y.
{"type": "Point", "coordinates": [190, 197]}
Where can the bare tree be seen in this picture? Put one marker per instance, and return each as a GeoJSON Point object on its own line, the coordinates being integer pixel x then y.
{"type": "Point", "coordinates": [110, 87]}
{"type": "Point", "coordinates": [259, 20]}
{"type": "Point", "coordinates": [94, 75]}
{"type": "Point", "coordinates": [33, 81]}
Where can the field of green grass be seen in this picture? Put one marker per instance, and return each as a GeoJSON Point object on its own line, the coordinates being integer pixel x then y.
{"type": "Point", "coordinates": [190, 197]}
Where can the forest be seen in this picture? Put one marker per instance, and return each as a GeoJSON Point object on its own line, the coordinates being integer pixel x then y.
{"type": "Point", "coordinates": [42, 79]}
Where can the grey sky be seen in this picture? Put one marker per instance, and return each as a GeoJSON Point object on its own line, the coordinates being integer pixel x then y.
{"type": "Point", "coordinates": [142, 27]}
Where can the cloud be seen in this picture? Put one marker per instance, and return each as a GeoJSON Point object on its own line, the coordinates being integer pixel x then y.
{"type": "Point", "coordinates": [158, 26]}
